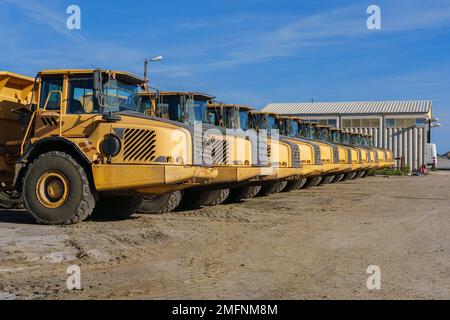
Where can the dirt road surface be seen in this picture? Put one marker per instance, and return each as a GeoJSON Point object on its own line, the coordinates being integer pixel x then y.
{"type": "Point", "coordinates": [306, 244]}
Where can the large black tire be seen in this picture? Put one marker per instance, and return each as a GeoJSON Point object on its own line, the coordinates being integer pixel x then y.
{"type": "Point", "coordinates": [327, 179]}
{"type": "Point", "coordinates": [295, 184]}
{"type": "Point", "coordinates": [281, 187]}
{"type": "Point", "coordinates": [311, 182]}
{"type": "Point", "coordinates": [117, 207]}
{"type": "Point", "coordinates": [337, 178]}
{"type": "Point", "coordinates": [318, 181]}
{"type": "Point", "coordinates": [195, 199]}
{"type": "Point", "coordinates": [158, 204]}
{"type": "Point", "coordinates": [9, 200]}
{"type": "Point", "coordinates": [221, 197]}
{"type": "Point", "coordinates": [74, 199]}
{"type": "Point", "coordinates": [365, 174]}
{"type": "Point", "coordinates": [242, 193]}
{"type": "Point", "coordinates": [349, 176]}
{"type": "Point", "coordinates": [269, 188]}
{"type": "Point", "coordinates": [360, 174]}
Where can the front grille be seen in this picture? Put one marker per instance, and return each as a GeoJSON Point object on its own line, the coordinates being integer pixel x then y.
{"type": "Point", "coordinates": [269, 155]}
{"type": "Point", "coordinates": [350, 158]}
{"type": "Point", "coordinates": [216, 151]}
{"type": "Point", "coordinates": [295, 156]}
{"type": "Point", "coordinates": [317, 154]}
{"type": "Point", "coordinates": [360, 156]}
{"type": "Point", "coordinates": [139, 145]}
{"type": "Point", "coordinates": [336, 154]}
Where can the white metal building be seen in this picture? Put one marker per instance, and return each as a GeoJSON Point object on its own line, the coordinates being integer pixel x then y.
{"type": "Point", "coordinates": [401, 126]}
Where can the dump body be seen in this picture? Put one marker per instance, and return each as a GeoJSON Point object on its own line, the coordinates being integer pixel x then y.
{"type": "Point", "coordinates": [15, 93]}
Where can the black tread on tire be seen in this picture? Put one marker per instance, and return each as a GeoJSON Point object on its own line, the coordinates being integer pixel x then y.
{"type": "Point", "coordinates": [327, 179]}
{"type": "Point", "coordinates": [318, 181]}
{"type": "Point", "coordinates": [281, 187]}
{"type": "Point", "coordinates": [337, 178]}
{"type": "Point", "coordinates": [311, 182]}
{"type": "Point", "coordinates": [365, 174]}
{"type": "Point", "coordinates": [242, 193]}
{"type": "Point", "coordinates": [222, 196]}
{"type": "Point", "coordinates": [158, 204]}
{"type": "Point", "coordinates": [116, 207]}
{"type": "Point", "coordinates": [349, 176]}
{"type": "Point", "coordinates": [268, 189]}
{"type": "Point", "coordinates": [356, 175]}
{"type": "Point", "coordinates": [82, 196]}
{"type": "Point", "coordinates": [295, 184]}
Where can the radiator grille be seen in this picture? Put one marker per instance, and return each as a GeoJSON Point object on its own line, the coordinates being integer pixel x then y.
{"type": "Point", "coordinates": [317, 154]}
{"type": "Point", "coordinates": [295, 156]}
{"type": "Point", "coordinates": [139, 145]}
{"type": "Point", "coordinates": [350, 158]}
{"type": "Point", "coordinates": [216, 151]}
{"type": "Point", "coordinates": [269, 155]}
{"type": "Point", "coordinates": [336, 154]}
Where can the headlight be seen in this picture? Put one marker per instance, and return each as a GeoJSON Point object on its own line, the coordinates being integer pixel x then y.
{"type": "Point", "coordinates": [110, 146]}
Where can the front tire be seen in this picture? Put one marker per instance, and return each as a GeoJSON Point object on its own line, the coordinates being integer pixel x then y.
{"type": "Point", "coordinates": [57, 190]}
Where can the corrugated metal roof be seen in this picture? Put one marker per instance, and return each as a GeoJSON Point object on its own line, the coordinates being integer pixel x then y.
{"type": "Point", "coordinates": [363, 107]}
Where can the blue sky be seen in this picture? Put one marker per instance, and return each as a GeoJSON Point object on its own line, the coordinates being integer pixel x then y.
{"type": "Point", "coordinates": [251, 52]}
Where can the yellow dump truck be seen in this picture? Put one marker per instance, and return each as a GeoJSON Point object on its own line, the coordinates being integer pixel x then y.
{"type": "Point", "coordinates": [82, 147]}
{"type": "Point", "coordinates": [270, 153]}
{"type": "Point", "coordinates": [228, 153]}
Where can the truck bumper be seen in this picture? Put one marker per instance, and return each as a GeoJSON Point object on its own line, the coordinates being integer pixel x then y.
{"type": "Point", "coordinates": [134, 177]}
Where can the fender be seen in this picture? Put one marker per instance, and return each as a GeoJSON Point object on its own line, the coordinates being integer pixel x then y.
{"type": "Point", "coordinates": [42, 146]}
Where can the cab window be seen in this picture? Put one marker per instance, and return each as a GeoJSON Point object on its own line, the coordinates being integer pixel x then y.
{"type": "Point", "coordinates": [51, 88]}
{"type": "Point", "coordinates": [81, 96]}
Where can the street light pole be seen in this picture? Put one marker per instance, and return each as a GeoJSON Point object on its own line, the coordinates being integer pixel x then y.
{"type": "Point", "coordinates": [147, 62]}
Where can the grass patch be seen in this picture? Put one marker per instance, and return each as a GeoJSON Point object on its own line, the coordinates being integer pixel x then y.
{"type": "Point", "coordinates": [393, 172]}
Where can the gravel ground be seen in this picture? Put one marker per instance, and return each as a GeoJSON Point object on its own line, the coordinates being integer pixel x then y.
{"type": "Point", "coordinates": [306, 244]}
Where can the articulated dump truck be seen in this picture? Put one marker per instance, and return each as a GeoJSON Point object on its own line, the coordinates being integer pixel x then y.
{"type": "Point", "coordinates": [73, 143]}
{"type": "Point", "coordinates": [230, 154]}
{"type": "Point", "coordinates": [278, 158]}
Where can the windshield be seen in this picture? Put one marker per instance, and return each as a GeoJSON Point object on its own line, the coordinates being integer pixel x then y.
{"type": "Point", "coordinates": [358, 140]}
{"type": "Point", "coordinates": [307, 131]}
{"type": "Point", "coordinates": [243, 120]}
{"type": "Point", "coordinates": [283, 126]}
{"type": "Point", "coordinates": [120, 96]}
{"type": "Point", "coordinates": [336, 135]}
{"type": "Point", "coordinates": [229, 118]}
{"type": "Point", "coordinates": [346, 138]}
{"type": "Point", "coordinates": [323, 134]}
{"type": "Point", "coordinates": [272, 124]}
{"type": "Point", "coordinates": [196, 111]}
{"type": "Point", "coordinates": [293, 128]}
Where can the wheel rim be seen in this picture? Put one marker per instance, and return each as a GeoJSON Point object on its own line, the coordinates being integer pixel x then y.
{"type": "Point", "coordinates": [52, 189]}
